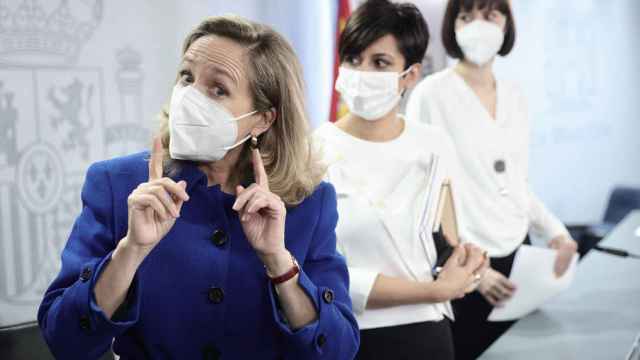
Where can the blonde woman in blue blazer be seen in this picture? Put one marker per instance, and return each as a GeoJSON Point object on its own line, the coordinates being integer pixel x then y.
{"type": "Point", "coordinates": [220, 242]}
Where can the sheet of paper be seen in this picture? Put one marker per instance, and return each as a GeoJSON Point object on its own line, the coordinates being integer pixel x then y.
{"type": "Point", "coordinates": [532, 272]}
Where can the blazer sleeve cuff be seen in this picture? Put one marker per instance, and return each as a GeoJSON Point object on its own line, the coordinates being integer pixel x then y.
{"type": "Point", "coordinates": [92, 320]}
{"type": "Point", "coordinates": [313, 338]}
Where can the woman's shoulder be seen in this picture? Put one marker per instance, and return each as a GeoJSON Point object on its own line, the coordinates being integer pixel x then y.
{"type": "Point", "coordinates": [434, 83]}
{"type": "Point", "coordinates": [121, 173]}
{"type": "Point", "coordinates": [321, 200]}
{"type": "Point", "coordinates": [323, 192]}
{"type": "Point", "coordinates": [327, 131]}
{"type": "Point", "coordinates": [322, 134]}
{"type": "Point", "coordinates": [324, 189]}
{"type": "Point", "coordinates": [128, 164]}
{"type": "Point", "coordinates": [424, 133]}
{"type": "Point", "coordinates": [431, 139]}
{"type": "Point", "coordinates": [327, 141]}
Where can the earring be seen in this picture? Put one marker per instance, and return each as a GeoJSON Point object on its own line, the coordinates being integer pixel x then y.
{"type": "Point", "coordinates": [254, 142]}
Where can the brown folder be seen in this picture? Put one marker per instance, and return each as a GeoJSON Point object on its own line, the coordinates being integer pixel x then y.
{"type": "Point", "coordinates": [445, 216]}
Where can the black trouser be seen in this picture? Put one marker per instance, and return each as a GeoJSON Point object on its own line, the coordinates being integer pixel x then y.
{"type": "Point", "coordinates": [426, 340]}
{"type": "Point", "coordinates": [472, 333]}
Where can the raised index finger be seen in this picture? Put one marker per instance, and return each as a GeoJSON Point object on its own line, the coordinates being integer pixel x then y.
{"type": "Point", "coordinates": [258, 170]}
{"type": "Point", "coordinates": [155, 162]}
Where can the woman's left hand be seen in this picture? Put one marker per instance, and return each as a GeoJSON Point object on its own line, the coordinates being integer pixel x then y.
{"type": "Point", "coordinates": [486, 263]}
{"type": "Point", "coordinates": [262, 215]}
{"type": "Point", "coordinates": [566, 247]}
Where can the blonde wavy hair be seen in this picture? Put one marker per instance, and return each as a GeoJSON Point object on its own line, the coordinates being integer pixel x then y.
{"type": "Point", "coordinates": [275, 79]}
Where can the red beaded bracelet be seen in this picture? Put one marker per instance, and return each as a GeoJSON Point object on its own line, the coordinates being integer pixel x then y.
{"type": "Point", "coordinates": [295, 269]}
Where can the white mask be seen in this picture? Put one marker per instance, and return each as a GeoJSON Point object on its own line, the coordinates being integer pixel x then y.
{"type": "Point", "coordinates": [200, 128]}
{"type": "Point", "coordinates": [369, 94]}
{"type": "Point", "coordinates": [480, 41]}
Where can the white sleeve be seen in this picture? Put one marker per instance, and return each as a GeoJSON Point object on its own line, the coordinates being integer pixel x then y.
{"type": "Point", "coordinates": [361, 282]}
{"type": "Point", "coordinates": [361, 279]}
{"type": "Point", "coordinates": [543, 223]}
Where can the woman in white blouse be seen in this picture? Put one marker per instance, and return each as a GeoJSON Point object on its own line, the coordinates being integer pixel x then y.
{"type": "Point", "coordinates": [487, 121]}
{"type": "Point", "coordinates": [379, 165]}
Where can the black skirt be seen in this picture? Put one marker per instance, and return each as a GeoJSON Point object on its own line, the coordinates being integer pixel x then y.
{"type": "Point", "coordinates": [472, 333]}
{"type": "Point", "coordinates": [425, 340]}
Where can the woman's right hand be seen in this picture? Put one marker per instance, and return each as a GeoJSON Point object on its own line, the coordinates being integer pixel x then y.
{"type": "Point", "coordinates": [154, 206]}
{"type": "Point", "coordinates": [461, 270]}
{"type": "Point", "coordinates": [496, 288]}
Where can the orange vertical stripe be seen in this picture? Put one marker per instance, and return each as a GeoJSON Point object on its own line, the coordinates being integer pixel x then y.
{"type": "Point", "coordinates": [343, 15]}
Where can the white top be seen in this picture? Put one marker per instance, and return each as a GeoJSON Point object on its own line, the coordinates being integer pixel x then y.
{"type": "Point", "coordinates": [382, 190]}
{"type": "Point", "coordinates": [497, 208]}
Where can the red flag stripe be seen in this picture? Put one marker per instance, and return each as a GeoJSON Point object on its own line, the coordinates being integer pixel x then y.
{"type": "Point", "coordinates": [343, 15]}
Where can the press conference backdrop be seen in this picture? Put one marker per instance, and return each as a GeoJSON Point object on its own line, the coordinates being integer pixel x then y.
{"type": "Point", "coordinates": [81, 81]}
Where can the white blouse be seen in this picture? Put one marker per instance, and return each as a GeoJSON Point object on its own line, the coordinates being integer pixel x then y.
{"type": "Point", "coordinates": [497, 206]}
{"type": "Point", "coordinates": [382, 190]}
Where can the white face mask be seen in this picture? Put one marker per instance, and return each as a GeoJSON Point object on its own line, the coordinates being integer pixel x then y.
{"type": "Point", "coordinates": [200, 129]}
{"type": "Point", "coordinates": [369, 94]}
{"type": "Point", "coordinates": [480, 41]}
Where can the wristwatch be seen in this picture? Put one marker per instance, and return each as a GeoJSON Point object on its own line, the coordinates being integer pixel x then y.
{"type": "Point", "coordinates": [295, 269]}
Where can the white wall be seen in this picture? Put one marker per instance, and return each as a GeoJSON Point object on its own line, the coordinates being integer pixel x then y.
{"type": "Point", "coordinates": [577, 61]}
{"type": "Point", "coordinates": [77, 85]}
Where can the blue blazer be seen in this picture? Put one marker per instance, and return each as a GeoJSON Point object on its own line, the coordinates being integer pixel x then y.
{"type": "Point", "coordinates": [202, 293]}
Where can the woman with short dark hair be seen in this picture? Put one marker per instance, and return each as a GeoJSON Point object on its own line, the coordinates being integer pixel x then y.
{"type": "Point", "coordinates": [380, 166]}
{"type": "Point", "coordinates": [487, 121]}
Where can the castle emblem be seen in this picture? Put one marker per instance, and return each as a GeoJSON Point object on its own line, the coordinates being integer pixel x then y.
{"type": "Point", "coordinates": [52, 127]}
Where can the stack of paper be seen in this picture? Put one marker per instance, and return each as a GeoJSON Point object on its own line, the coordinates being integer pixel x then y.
{"type": "Point", "coordinates": [533, 275]}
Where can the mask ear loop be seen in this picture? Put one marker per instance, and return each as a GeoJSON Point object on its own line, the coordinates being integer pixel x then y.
{"type": "Point", "coordinates": [227, 148]}
{"type": "Point", "coordinates": [245, 115]}
{"type": "Point", "coordinates": [402, 75]}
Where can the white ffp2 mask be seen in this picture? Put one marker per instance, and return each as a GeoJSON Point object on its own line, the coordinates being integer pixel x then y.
{"type": "Point", "coordinates": [200, 129]}
{"type": "Point", "coordinates": [369, 94]}
{"type": "Point", "coordinates": [480, 41]}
